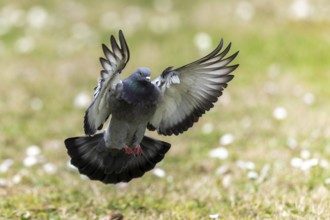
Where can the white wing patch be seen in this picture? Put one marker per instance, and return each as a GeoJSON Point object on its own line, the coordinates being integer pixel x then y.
{"type": "Point", "coordinates": [174, 79]}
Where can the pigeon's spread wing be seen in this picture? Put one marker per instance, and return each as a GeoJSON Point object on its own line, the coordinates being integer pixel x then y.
{"type": "Point", "coordinates": [114, 62]}
{"type": "Point", "coordinates": [189, 91]}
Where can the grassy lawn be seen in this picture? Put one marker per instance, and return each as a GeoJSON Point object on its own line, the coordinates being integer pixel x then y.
{"type": "Point", "coordinates": [263, 152]}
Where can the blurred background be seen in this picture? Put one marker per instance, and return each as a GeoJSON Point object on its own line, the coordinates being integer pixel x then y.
{"type": "Point", "coordinates": [262, 152]}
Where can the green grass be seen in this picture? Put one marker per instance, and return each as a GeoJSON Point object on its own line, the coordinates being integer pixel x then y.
{"type": "Point", "coordinates": [280, 60]}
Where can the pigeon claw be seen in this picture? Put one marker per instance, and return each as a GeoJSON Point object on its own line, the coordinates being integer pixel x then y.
{"type": "Point", "coordinates": [138, 150]}
{"type": "Point", "coordinates": [129, 150]}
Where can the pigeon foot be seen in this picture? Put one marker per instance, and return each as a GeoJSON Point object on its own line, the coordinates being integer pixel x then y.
{"type": "Point", "coordinates": [129, 150]}
{"type": "Point", "coordinates": [138, 150]}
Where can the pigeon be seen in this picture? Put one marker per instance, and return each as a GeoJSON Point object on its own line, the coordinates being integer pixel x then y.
{"type": "Point", "coordinates": [170, 104]}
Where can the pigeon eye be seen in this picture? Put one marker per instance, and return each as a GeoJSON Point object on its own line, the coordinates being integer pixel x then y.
{"type": "Point", "coordinates": [140, 74]}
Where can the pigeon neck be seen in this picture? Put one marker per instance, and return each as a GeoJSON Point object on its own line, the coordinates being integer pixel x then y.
{"type": "Point", "coordinates": [139, 92]}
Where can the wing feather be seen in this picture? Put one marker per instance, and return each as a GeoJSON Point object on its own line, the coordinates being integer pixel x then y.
{"type": "Point", "coordinates": [113, 63]}
{"type": "Point", "coordinates": [191, 90]}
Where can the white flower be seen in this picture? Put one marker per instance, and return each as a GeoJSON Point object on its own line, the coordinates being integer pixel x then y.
{"type": "Point", "coordinates": [33, 151]}
{"type": "Point", "coordinates": [309, 98]}
{"type": "Point", "coordinates": [280, 113]}
{"type": "Point", "coordinates": [252, 175]}
{"type": "Point", "coordinates": [296, 162]}
{"type": "Point", "coordinates": [240, 164]}
{"type": "Point", "coordinates": [37, 17]}
{"type": "Point", "coordinates": [49, 168]}
{"type": "Point", "coordinates": [226, 180]}
{"type": "Point", "coordinates": [324, 164]}
{"type": "Point", "coordinates": [3, 182]}
{"type": "Point", "coordinates": [203, 41]}
{"type": "Point", "coordinates": [5, 165]}
{"type": "Point", "coordinates": [327, 181]}
{"type": "Point", "coordinates": [221, 153]}
{"type": "Point", "coordinates": [207, 128]}
{"type": "Point", "coordinates": [264, 172]}
{"type": "Point", "coordinates": [245, 10]}
{"type": "Point", "coordinates": [222, 170]}
{"type": "Point", "coordinates": [292, 143]}
{"type": "Point", "coordinates": [250, 165]}
{"type": "Point", "coordinates": [300, 9]}
{"type": "Point", "coordinates": [226, 139]}
{"type": "Point", "coordinates": [306, 165]}
{"type": "Point", "coordinates": [121, 185]}
{"type": "Point", "coordinates": [245, 165]}
{"type": "Point", "coordinates": [26, 215]}
{"type": "Point", "coordinates": [82, 100]}
{"type": "Point", "coordinates": [214, 216]}
{"type": "Point", "coordinates": [17, 179]}
{"type": "Point", "coordinates": [159, 172]}
{"type": "Point", "coordinates": [30, 161]}
{"type": "Point", "coordinates": [25, 45]}
{"type": "Point", "coordinates": [305, 154]}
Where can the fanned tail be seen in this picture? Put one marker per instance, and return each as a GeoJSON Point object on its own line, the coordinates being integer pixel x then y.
{"type": "Point", "coordinates": [89, 155]}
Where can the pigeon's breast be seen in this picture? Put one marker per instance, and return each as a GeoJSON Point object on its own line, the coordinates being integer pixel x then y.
{"type": "Point", "coordinates": [136, 104]}
{"type": "Point", "coordinates": [134, 112]}
{"type": "Point", "coordinates": [140, 93]}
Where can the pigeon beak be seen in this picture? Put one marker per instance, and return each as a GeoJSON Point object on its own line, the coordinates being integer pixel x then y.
{"type": "Point", "coordinates": [148, 78]}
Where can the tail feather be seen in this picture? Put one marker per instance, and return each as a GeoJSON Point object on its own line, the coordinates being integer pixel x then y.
{"type": "Point", "coordinates": [89, 155]}
{"type": "Point", "coordinates": [153, 149]}
{"type": "Point", "coordinates": [84, 156]}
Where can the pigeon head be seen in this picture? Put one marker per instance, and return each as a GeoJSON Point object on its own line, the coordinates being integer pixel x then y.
{"type": "Point", "coordinates": [142, 74]}
{"type": "Point", "coordinates": [138, 88]}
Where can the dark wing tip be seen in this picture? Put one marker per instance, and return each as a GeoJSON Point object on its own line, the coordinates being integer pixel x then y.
{"type": "Point", "coordinates": [220, 45]}
{"type": "Point", "coordinates": [213, 53]}
{"type": "Point", "coordinates": [230, 77]}
{"type": "Point", "coordinates": [112, 40]}
{"type": "Point", "coordinates": [233, 56]}
{"type": "Point", "coordinates": [151, 127]}
{"type": "Point", "coordinates": [209, 56]}
{"type": "Point", "coordinates": [87, 127]}
{"type": "Point", "coordinates": [103, 62]}
{"type": "Point", "coordinates": [114, 44]}
{"type": "Point", "coordinates": [233, 67]}
{"type": "Point", "coordinates": [123, 45]}
{"type": "Point", "coordinates": [105, 49]}
{"type": "Point", "coordinates": [117, 54]}
{"type": "Point", "coordinates": [182, 126]}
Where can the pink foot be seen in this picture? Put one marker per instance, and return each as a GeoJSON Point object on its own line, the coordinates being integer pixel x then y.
{"type": "Point", "coordinates": [138, 150]}
{"type": "Point", "coordinates": [129, 150]}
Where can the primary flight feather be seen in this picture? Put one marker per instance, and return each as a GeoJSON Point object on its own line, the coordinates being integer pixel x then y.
{"type": "Point", "coordinates": [170, 104]}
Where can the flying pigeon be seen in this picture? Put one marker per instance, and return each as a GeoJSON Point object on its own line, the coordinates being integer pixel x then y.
{"type": "Point", "coordinates": [170, 104]}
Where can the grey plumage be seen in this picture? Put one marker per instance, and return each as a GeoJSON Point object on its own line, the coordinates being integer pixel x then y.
{"type": "Point", "coordinates": [170, 104]}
